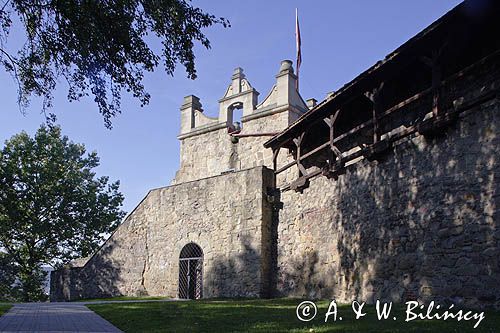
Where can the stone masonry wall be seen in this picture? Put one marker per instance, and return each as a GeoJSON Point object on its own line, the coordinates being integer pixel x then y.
{"type": "Point", "coordinates": [424, 223]}
{"type": "Point", "coordinates": [251, 151]}
{"type": "Point", "coordinates": [227, 216]}
{"type": "Point", "coordinates": [205, 155]}
{"type": "Point", "coordinates": [212, 153]}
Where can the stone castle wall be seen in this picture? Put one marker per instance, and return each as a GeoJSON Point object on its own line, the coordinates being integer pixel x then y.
{"type": "Point", "coordinates": [227, 216]}
{"type": "Point", "coordinates": [213, 153]}
{"type": "Point", "coordinates": [218, 200]}
{"type": "Point", "coordinates": [424, 223]}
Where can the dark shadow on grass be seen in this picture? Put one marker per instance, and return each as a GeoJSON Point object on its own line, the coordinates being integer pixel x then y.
{"type": "Point", "coordinates": [274, 315]}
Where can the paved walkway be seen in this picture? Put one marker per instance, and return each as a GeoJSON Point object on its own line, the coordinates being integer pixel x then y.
{"type": "Point", "coordinates": [53, 317]}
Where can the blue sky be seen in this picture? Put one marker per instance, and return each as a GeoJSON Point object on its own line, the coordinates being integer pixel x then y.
{"type": "Point", "coordinates": [340, 39]}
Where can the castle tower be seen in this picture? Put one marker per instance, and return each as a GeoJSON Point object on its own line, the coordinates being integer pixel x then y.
{"type": "Point", "coordinates": [206, 146]}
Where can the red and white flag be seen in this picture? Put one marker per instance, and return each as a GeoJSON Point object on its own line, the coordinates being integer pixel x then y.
{"type": "Point", "coordinates": [297, 42]}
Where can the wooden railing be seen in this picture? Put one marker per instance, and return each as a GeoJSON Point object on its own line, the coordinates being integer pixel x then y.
{"type": "Point", "coordinates": [441, 117]}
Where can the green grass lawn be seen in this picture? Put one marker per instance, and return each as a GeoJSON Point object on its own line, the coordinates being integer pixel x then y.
{"type": "Point", "coordinates": [124, 298]}
{"type": "Point", "coordinates": [4, 308]}
{"type": "Point", "coordinates": [277, 315]}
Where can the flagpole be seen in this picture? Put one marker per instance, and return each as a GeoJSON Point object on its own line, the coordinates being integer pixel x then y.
{"type": "Point", "coordinates": [297, 46]}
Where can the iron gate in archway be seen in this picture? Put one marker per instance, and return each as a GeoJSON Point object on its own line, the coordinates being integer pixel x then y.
{"type": "Point", "coordinates": [191, 272]}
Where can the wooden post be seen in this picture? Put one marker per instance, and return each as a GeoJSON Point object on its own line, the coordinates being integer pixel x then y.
{"type": "Point", "coordinates": [276, 152]}
{"type": "Point", "coordinates": [334, 151]}
{"type": "Point", "coordinates": [374, 97]}
{"type": "Point", "coordinates": [298, 143]}
{"type": "Point", "coordinates": [436, 83]}
{"type": "Point", "coordinates": [433, 63]}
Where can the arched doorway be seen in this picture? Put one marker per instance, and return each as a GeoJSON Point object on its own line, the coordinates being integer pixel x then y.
{"type": "Point", "coordinates": [191, 272]}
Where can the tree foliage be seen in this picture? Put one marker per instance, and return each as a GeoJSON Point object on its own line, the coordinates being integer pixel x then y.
{"type": "Point", "coordinates": [100, 47]}
{"type": "Point", "coordinates": [53, 208]}
{"type": "Point", "coordinates": [9, 289]}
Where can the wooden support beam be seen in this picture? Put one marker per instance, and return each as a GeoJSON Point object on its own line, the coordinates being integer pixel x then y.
{"type": "Point", "coordinates": [298, 143]}
{"type": "Point", "coordinates": [302, 170]}
{"type": "Point", "coordinates": [314, 151]}
{"type": "Point", "coordinates": [436, 83]}
{"type": "Point", "coordinates": [335, 153]}
{"type": "Point", "coordinates": [434, 63]}
{"type": "Point", "coordinates": [377, 150]}
{"type": "Point", "coordinates": [275, 158]}
{"type": "Point", "coordinates": [276, 152]}
{"type": "Point", "coordinates": [330, 120]}
{"type": "Point", "coordinates": [374, 97]}
{"type": "Point", "coordinates": [300, 183]}
{"type": "Point", "coordinates": [335, 162]}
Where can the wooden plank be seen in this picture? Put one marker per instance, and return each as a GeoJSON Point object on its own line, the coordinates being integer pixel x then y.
{"type": "Point", "coordinates": [404, 103]}
{"type": "Point", "coordinates": [305, 178]}
{"type": "Point", "coordinates": [246, 135]}
{"type": "Point", "coordinates": [314, 151]}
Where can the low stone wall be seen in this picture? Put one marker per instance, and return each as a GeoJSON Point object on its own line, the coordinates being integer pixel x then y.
{"type": "Point", "coordinates": [422, 224]}
{"type": "Point", "coordinates": [227, 216]}
{"type": "Point", "coordinates": [65, 284]}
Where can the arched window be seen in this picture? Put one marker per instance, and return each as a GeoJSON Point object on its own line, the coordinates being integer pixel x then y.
{"type": "Point", "coordinates": [234, 113]}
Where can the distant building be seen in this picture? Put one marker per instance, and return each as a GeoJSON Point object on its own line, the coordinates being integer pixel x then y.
{"type": "Point", "coordinates": [46, 283]}
{"type": "Point", "coordinates": [387, 189]}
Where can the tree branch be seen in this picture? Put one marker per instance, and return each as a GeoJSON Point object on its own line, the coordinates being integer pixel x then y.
{"type": "Point", "coordinates": [16, 78]}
